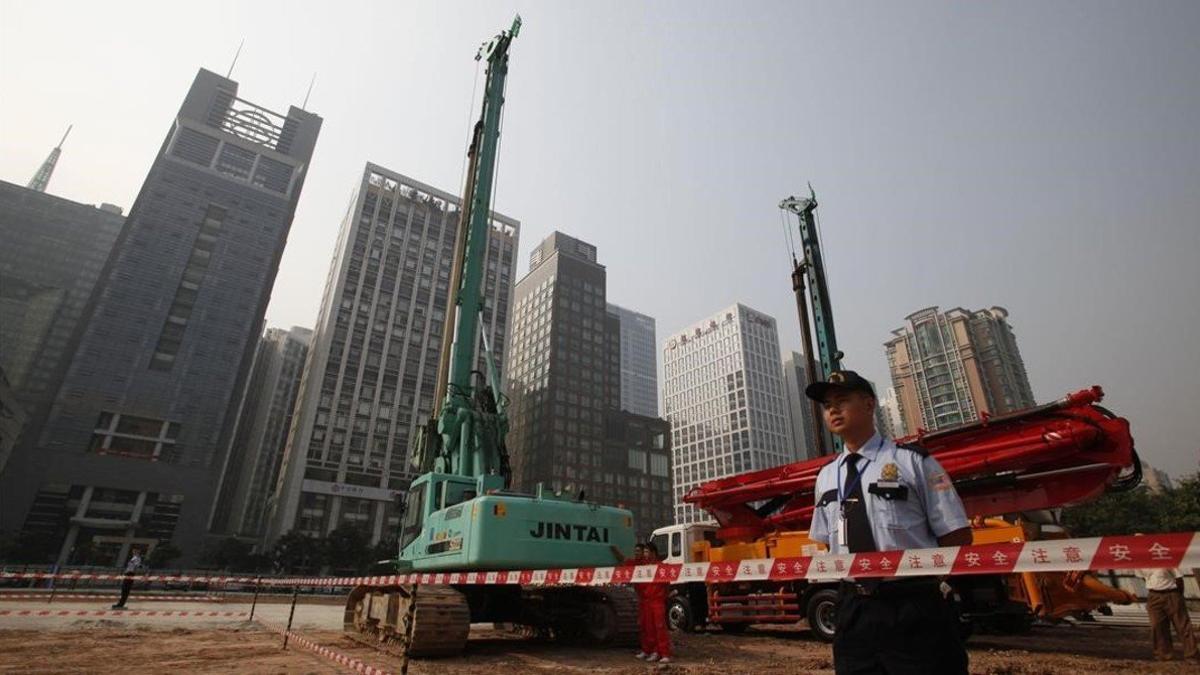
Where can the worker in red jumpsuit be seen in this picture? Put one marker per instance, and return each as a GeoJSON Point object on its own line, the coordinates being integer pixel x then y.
{"type": "Point", "coordinates": [652, 614]}
{"type": "Point", "coordinates": [646, 638]}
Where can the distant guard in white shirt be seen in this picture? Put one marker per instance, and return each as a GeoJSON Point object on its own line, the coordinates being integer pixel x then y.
{"type": "Point", "coordinates": [1166, 607]}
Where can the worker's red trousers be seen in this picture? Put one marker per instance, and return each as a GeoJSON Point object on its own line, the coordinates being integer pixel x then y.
{"type": "Point", "coordinates": [652, 619]}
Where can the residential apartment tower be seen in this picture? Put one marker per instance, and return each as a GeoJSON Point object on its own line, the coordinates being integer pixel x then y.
{"type": "Point", "coordinates": [949, 367]}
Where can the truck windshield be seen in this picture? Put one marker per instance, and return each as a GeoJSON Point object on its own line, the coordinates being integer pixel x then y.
{"type": "Point", "coordinates": [414, 514]}
{"type": "Point", "coordinates": [660, 543]}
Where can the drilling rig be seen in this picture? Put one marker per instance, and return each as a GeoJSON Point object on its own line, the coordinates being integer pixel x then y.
{"type": "Point", "coordinates": [461, 514]}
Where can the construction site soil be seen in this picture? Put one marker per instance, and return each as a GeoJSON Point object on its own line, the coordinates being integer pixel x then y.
{"type": "Point", "coordinates": [113, 646]}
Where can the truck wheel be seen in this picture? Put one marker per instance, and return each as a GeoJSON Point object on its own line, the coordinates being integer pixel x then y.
{"type": "Point", "coordinates": [1013, 624]}
{"type": "Point", "coordinates": [822, 614]}
{"type": "Point", "coordinates": [679, 614]}
{"type": "Point", "coordinates": [966, 629]}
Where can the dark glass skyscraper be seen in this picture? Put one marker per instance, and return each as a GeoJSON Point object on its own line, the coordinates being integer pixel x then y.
{"type": "Point", "coordinates": [564, 376]}
{"type": "Point", "coordinates": [134, 440]}
{"type": "Point", "coordinates": [51, 253]}
{"type": "Point", "coordinates": [639, 361]}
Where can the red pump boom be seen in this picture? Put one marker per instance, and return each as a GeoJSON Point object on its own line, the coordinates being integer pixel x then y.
{"type": "Point", "coordinates": [1062, 453]}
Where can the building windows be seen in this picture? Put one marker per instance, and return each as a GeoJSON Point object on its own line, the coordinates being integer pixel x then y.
{"type": "Point", "coordinates": [180, 312]}
{"type": "Point", "coordinates": [637, 459]}
{"type": "Point", "coordinates": [658, 465]}
{"type": "Point", "coordinates": [193, 146]}
{"type": "Point", "coordinates": [313, 514]}
{"type": "Point", "coordinates": [137, 437]}
{"type": "Point", "coordinates": [235, 161]}
{"type": "Point", "coordinates": [273, 175]}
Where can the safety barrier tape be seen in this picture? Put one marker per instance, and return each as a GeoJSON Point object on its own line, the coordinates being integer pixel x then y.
{"type": "Point", "coordinates": [353, 664]}
{"type": "Point", "coordinates": [165, 578]}
{"type": "Point", "coordinates": [1062, 555]}
{"type": "Point", "coordinates": [1170, 550]}
{"type": "Point", "coordinates": [107, 598]}
{"type": "Point", "coordinates": [120, 613]}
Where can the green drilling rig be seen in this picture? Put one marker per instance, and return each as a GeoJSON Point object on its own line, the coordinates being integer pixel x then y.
{"type": "Point", "coordinates": [460, 514]}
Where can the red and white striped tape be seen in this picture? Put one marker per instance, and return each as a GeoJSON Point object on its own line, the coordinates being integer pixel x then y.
{"type": "Point", "coordinates": [107, 598]}
{"type": "Point", "coordinates": [1179, 549]}
{"type": "Point", "coordinates": [356, 665]}
{"type": "Point", "coordinates": [119, 613]}
{"type": "Point", "coordinates": [1062, 555]}
{"type": "Point", "coordinates": [73, 576]}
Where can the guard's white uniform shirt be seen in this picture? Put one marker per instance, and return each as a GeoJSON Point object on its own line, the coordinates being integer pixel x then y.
{"type": "Point", "coordinates": [1159, 580]}
{"type": "Point", "coordinates": [910, 499]}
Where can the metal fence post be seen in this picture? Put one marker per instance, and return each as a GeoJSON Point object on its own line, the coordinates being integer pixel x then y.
{"type": "Point", "coordinates": [291, 615]}
{"type": "Point", "coordinates": [254, 602]}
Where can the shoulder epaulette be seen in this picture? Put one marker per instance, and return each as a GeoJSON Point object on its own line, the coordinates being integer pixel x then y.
{"type": "Point", "coordinates": [914, 447]}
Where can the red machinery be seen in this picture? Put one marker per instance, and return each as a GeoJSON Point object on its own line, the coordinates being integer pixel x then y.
{"type": "Point", "coordinates": [1066, 452]}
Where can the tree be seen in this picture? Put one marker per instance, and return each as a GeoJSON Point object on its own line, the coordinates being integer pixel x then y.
{"type": "Point", "coordinates": [229, 553]}
{"type": "Point", "coordinates": [295, 553]}
{"type": "Point", "coordinates": [1181, 506]}
{"type": "Point", "coordinates": [259, 562]}
{"type": "Point", "coordinates": [347, 549]}
{"type": "Point", "coordinates": [1138, 510]}
{"type": "Point", "coordinates": [162, 555]}
{"type": "Point", "coordinates": [386, 549]}
{"type": "Point", "coordinates": [29, 547]}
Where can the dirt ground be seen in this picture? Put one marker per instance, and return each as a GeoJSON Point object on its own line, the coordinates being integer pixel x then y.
{"type": "Point", "coordinates": [107, 646]}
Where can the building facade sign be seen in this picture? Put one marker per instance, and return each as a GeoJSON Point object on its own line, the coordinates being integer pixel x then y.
{"type": "Point", "coordinates": [347, 490]}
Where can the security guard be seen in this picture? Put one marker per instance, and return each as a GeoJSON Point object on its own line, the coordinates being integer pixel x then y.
{"type": "Point", "coordinates": [879, 496]}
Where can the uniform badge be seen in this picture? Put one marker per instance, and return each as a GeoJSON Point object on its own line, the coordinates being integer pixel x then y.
{"type": "Point", "coordinates": [889, 472]}
{"type": "Point", "coordinates": [940, 481]}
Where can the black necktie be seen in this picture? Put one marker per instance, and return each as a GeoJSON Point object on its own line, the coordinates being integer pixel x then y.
{"type": "Point", "coordinates": [854, 509]}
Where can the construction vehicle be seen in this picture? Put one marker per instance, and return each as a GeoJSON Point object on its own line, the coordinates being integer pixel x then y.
{"type": "Point", "coordinates": [1019, 466]}
{"type": "Point", "coordinates": [1010, 472]}
{"type": "Point", "coordinates": [460, 513]}
{"type": "Point", "coordinates": [1011, 468]}
{"type": "Point", "coordinates": [997, 603]}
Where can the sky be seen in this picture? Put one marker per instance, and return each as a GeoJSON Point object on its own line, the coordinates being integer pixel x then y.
{"type": "Point", "coordinates": [1042, 157]}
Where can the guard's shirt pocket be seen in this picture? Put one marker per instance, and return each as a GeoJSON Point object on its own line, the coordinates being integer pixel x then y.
{"type": "Point", "coordinates": [897, 504]}
{"type": "Point", "coordinates": [829, 502]}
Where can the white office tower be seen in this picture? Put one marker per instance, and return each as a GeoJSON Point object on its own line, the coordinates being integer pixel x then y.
{"type": "Point", "coordinates": [724, 396]}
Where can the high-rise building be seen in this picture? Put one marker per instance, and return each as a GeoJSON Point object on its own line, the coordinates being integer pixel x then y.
{"type": "Point", "coordinates": [639, 362]}
{"type": "Point", "coordinates": [949, 367]}
{"type": "Point", "coordinates": [373, 364]}
{"type": "Point", "coordinates": [564, 376]}
{"type": "Point", "coordinates": [889, 404]}
{"type": "Point", "coordinates": [724, 396]}
{"type": "Point", "coordinates": [12, 420]}
{"type": "Point", "coordinates": [802, 418]}
{"type": "Point", "coordinates": [133, 444]}
{"type": "Point", "coordinates": [1156, 480]}
{"type": "Point", "coordinates": [52, 253]}
{"type": "Point", "coordinates": [252, 463]}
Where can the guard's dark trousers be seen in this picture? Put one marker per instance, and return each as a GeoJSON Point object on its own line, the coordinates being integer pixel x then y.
{"type": "Point", "coordinates": [126, 586]}
{"type": "Point", "coordinates": [897, 628]}
{"type": "Point", "coordinates": [1167, 608]}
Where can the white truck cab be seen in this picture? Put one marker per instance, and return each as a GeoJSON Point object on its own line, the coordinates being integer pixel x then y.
{"type": "Point", "coordinates": [674, 542]}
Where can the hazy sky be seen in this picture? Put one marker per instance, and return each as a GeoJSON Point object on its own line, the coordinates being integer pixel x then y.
{"type": "Point", "coordinates": [1044, 157]}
